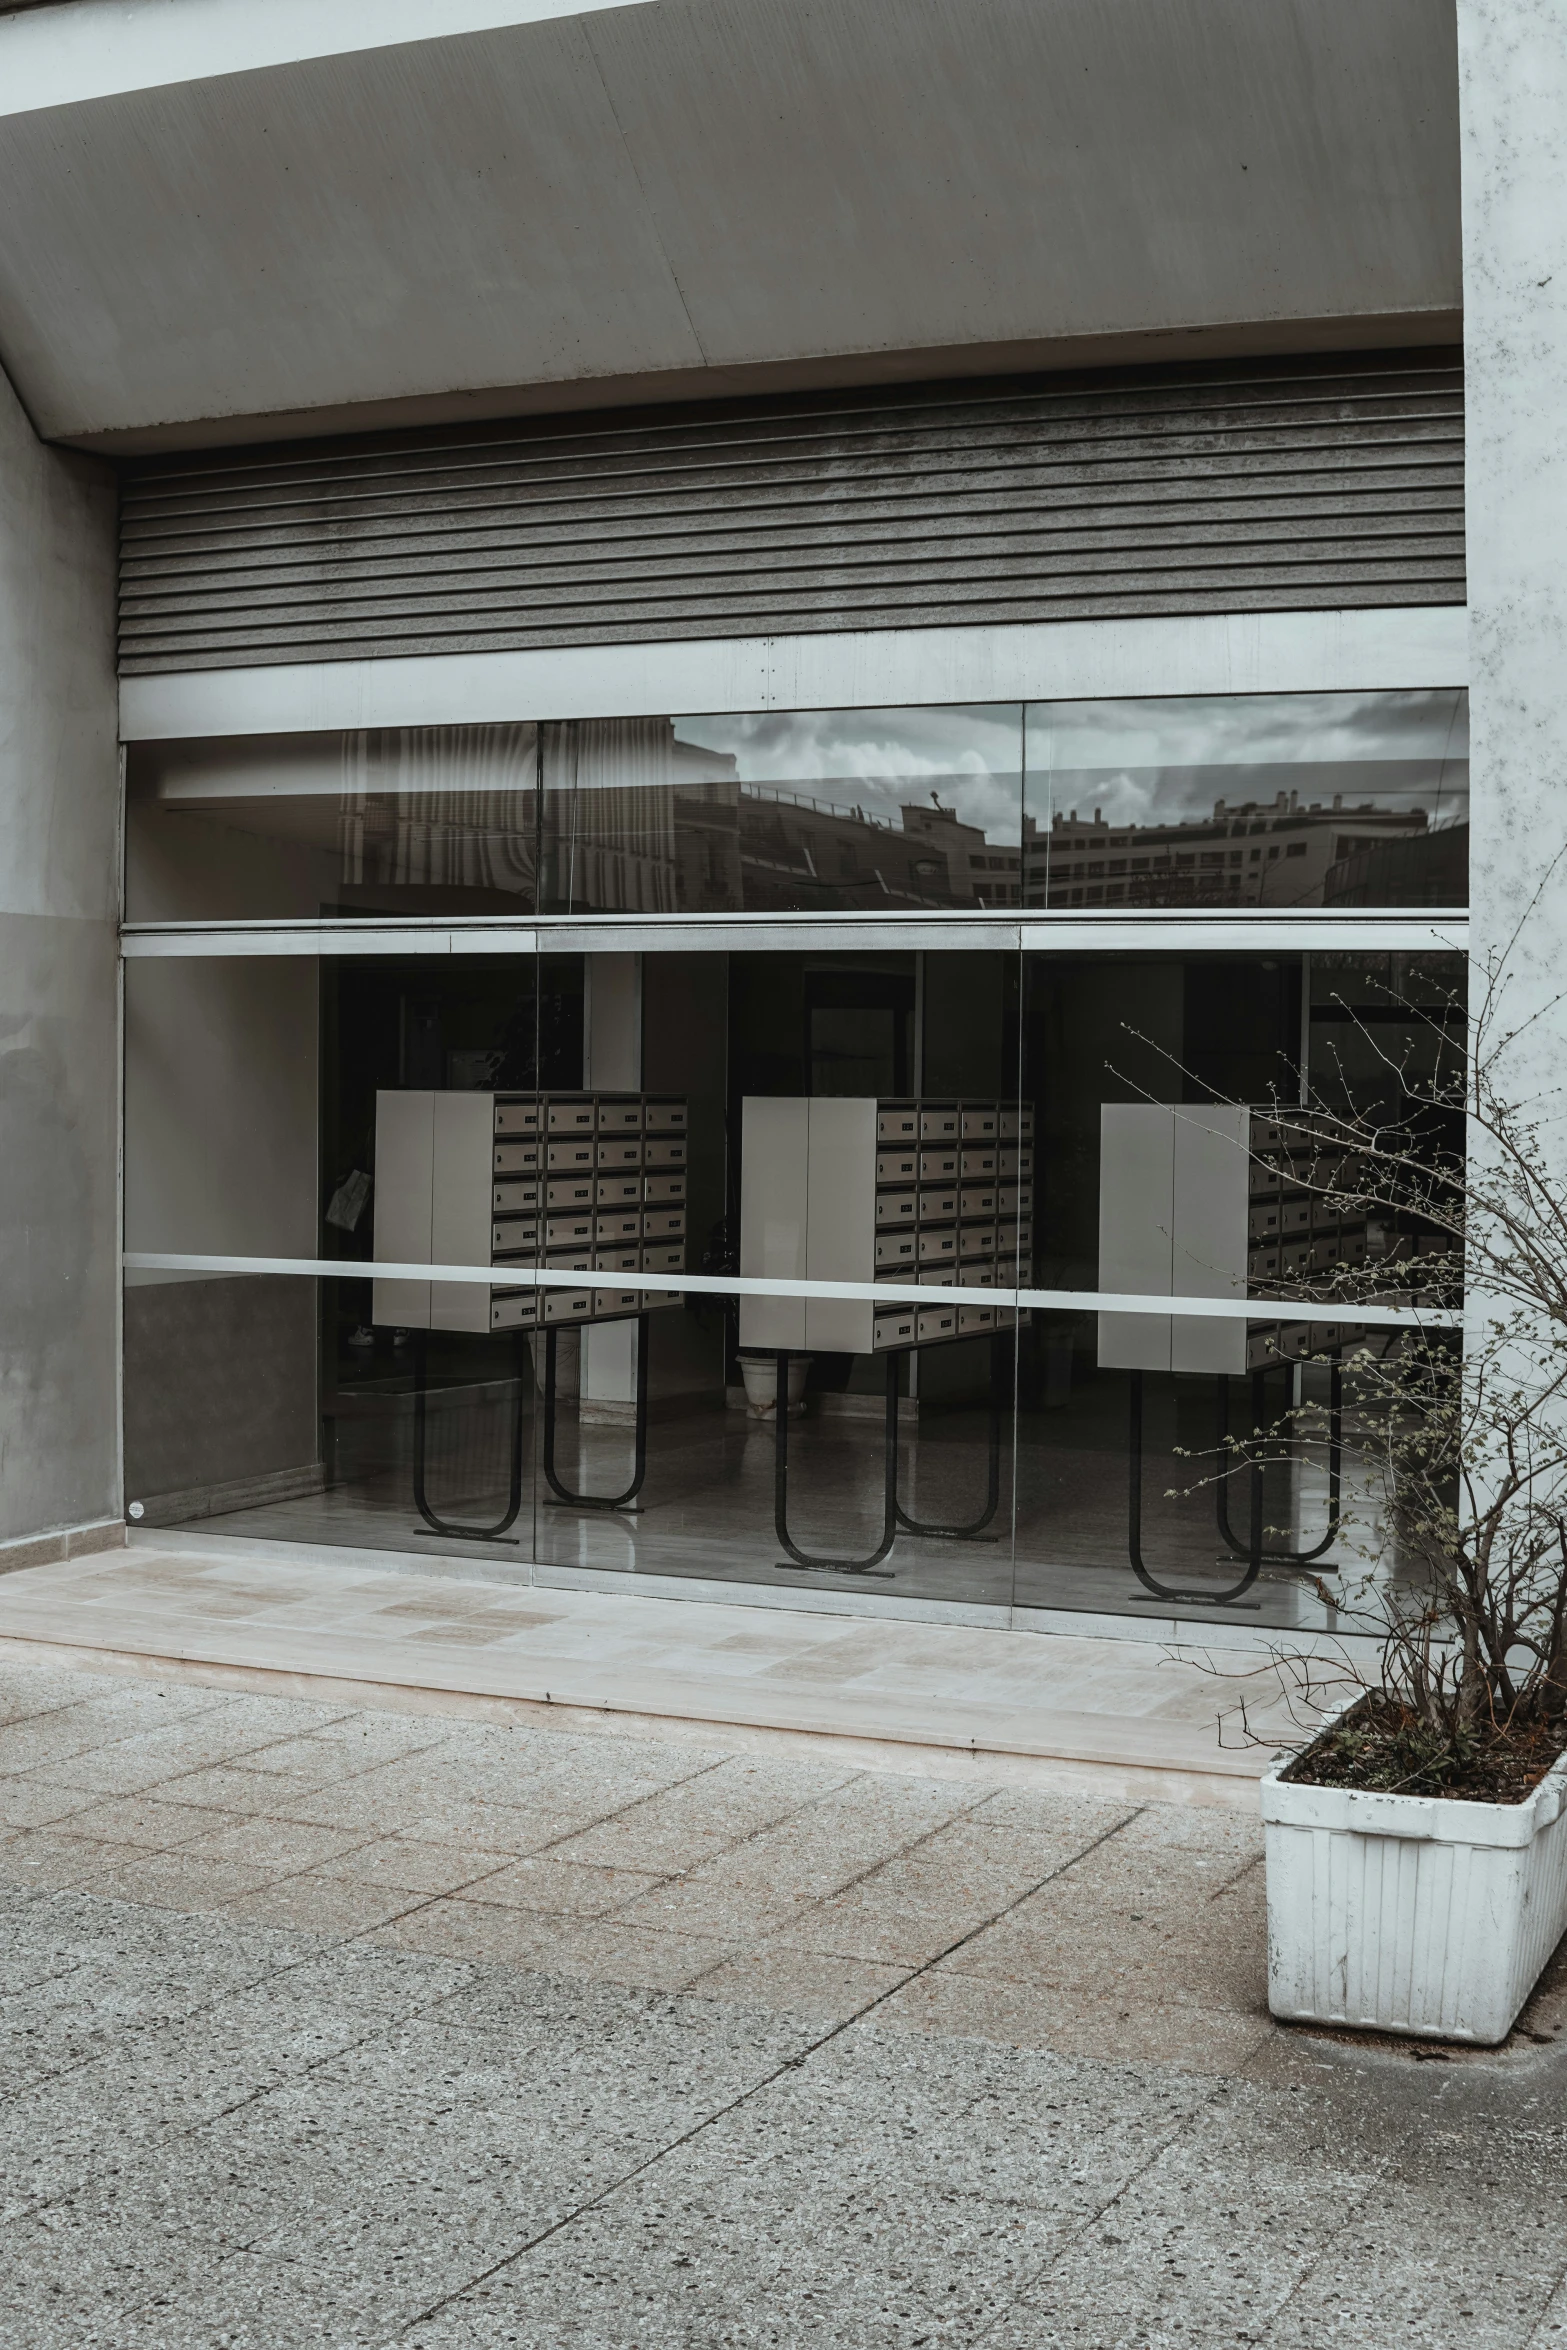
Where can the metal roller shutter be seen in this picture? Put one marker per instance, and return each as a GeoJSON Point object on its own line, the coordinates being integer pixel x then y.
{"type": "Point", "coordinates": [1235, 488]}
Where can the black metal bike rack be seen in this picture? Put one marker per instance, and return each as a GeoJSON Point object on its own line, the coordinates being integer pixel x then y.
{"type": "Point", "coordinates": [975, 1530]}
{"type": "Point", "coordinates": [1292, 1558]}
{"type": "Point", "coordinates": [563, 1494]}
{"type": "Point", "coordinates": [870, 1565]}
{"type": "Point", "coordinates": [451, 1527]}
{"type": "Point", "coordinates": [1233, 1597]}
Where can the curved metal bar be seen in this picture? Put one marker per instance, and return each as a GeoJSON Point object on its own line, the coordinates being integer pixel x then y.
{"type": "Point", "coordinates": [870, 1565]}
{"type": "Point", "coordinates": [1134, 1510]}
{"type": "Point", "coordinates": [451, 1527]}
{"type": "Point", "coordinates": [562, 1494]}
{"type": "Point", "coordinates": [1292, 1558]}
{"type": "Point", "coordinates": [975, 1530]}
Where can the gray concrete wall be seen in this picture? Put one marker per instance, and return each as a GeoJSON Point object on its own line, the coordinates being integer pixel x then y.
{"type": "Point", "coordinates": [712, 195]}
{"type": "Point", "coordinates": [1513, 57]}
{"type": "Point", "coordinates": [220, 1394]}
{"type": "Point", "coordinates": [59, 801]}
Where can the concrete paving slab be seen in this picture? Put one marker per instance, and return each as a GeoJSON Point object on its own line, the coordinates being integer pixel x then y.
{"type": "Point", "coordinates": [321, 1623]}
{"type": "Point", "coordinates": [400, 2113]}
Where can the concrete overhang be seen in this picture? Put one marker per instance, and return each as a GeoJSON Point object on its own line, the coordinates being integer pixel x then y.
{"type": "Point", "coordinates": [233, 219]}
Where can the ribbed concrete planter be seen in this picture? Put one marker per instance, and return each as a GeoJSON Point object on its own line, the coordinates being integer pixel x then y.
{"type": "Point", "coordinates": [1412, 1913]}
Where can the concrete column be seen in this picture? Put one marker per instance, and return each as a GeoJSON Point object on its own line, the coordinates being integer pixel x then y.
{"type": "Point", "coordinates": [612, 1059]}
{"type": "Point", "coordinates": [1513, 68]}
{"type": "Point", "coordinates": [59, 1091]}
{"type": "Point", "coordinates": [1513, 97]}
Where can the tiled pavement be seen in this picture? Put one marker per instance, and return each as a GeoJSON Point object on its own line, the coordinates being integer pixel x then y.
{"type": "Point", "coordinates": [350, 2027]}
{"type": "Point", "coordinates": [312, 1620]}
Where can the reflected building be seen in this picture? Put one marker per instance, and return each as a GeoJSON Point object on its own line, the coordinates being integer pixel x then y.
{"type": "Point", "coordinates": [1287, 850]}
{"type": "Point", "coordinates": [637, 820]}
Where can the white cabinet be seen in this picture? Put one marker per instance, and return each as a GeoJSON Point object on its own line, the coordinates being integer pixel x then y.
{"type": "Point", "coordinates": [585, 1183]}
{"type": "Point", "coordinates": [1205, 1202]}
{"type": "Point", "coordinates": [937, 1193]}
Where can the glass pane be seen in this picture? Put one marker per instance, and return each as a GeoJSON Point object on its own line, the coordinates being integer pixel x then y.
{"type": "Point", "coordinates": [608, 1116]}
{"type": "Point", "coordinates": [821, 811]}
{"type": "Point", "coordinates": [1149, 1077]}
{"type": "Point", "coordinates": [950, 1124]}
{"type": "Point", "coordinates": [1249, 800]}
{"type": "Point", "coordinates": [411, 820]}
{"type": "Point", "coordinates": [222, 1076]}
{"type": "Point", "coordinates": [797, 1069]}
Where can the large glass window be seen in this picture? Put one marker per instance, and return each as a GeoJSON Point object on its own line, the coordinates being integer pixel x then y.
{"type": "Point", "coordinates": [1243, 803]}
{"type": "Point", "coordinates": [871, 1147]}
{"type": "Point", "coordinates": [703, 1263]}
{"type": "Point", "coordinates": [825, 811]}
{"type": "Point", "coordinates": [1249, 800]}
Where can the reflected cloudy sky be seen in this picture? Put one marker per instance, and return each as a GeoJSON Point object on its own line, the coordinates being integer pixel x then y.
{"type": "Point", "coordinates": [1155, 761]}
{"type": "Point", "coordinates": [881, 759]}
{"type": "Point", "coordinates": [1145, 761]}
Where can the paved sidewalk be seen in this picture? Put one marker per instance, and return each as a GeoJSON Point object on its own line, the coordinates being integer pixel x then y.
{"type": "Point", "coordinates": [349, 2027]}
{"type": "Point", "coordinates": [1117, 1715]}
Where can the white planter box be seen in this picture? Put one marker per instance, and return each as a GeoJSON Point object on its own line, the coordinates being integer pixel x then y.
{"type": "Point", "coordinates": [1412, 1913]}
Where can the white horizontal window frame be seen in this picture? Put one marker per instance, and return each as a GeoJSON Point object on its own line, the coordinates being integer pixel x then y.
{"type": "Point", "coordinates": [1305, 932]}
{"type": "Point", "coordinates": [889, 1293]}
{"type": "Point", "coordinates": [1391, 649]}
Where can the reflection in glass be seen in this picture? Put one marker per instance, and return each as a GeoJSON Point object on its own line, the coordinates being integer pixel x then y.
{"type": "Point", "coordinates": [281, 1408]}
{"type": "Point", "coordinates": [1229, 802]}
{"type": "Point", "coordinates": [1249, 800]}
{"type": "Point", "coordinates": [1127, 1057]}
{"type": "Point", "coordinates": [881, 811]}
{"type": "Point", "coordinates": [392, 820]}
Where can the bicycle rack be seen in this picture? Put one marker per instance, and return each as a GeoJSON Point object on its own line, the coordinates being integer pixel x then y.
{"type": "Point", "coordinates": [870, 1565]}
{"type": "Point", "coordinates": [975, 1530]}
{"type": "Point", "coordinates": [450, 1527]}
{"type": "Point", "coordinates": [563, 1495]}
{"type": "Point", "coordinates": [1292, 1558]}
{"type": "Point", "coordinates": [1134, 1510]}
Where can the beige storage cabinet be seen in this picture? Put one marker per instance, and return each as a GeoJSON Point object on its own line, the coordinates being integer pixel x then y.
{"type": "Point", "coordinates": [585, 1183]}
{"type": "Point", "coordinates": [938, 1193]}
{"type": "Point", "coordinates": [1205, 1202]}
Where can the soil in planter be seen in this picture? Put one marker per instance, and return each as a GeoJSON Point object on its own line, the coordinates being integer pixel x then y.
{"type": "Point", "coordinates": [1384, 1746]}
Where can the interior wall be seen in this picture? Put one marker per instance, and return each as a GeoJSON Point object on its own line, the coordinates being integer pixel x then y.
{"type": "Point", "coordinates": [219, 1393]}
{"type": "Point", "coordinates": [221, 1158]}
{"type": "Point", "coordinates": [59, 791]}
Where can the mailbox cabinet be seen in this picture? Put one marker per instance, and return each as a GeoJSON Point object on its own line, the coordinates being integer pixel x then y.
{"type": "Point", "coordinates": [584, 1183]}
{"type": "Point", "coordinates": [1201, 1201]}
{"type": "Point", "coordinates": [934, 1193]}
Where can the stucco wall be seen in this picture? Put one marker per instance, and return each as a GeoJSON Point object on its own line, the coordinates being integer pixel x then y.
{"type": "Point", "coordinates": [1513, 56]}
{"type": "Point", "coordinates": [58, 1086]}
{"type": "Point", "coordinates": [657, 202]}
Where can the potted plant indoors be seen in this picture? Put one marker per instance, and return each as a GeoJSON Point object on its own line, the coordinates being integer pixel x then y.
{"type": "Point", "coordinates": [1417, 1842]}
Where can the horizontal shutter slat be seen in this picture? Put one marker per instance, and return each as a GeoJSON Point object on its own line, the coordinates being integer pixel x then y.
{"type": "Point", "coordinates": [1249, 487]}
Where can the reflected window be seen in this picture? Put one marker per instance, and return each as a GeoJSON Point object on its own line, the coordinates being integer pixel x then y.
{"type": "Point", "coordinates": [1248, 800]}
{"type": "Point", "coordinates": [826, 811]}
{"type": "Point", "coordinates": [1238, 802]}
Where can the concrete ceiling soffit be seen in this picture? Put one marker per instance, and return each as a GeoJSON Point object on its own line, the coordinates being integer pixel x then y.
{"type": "Point", "coordinates": [690, 187]}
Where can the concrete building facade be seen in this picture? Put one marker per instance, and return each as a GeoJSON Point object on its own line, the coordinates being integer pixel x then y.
{"type": "Point", "coordinates": [689, 552]}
